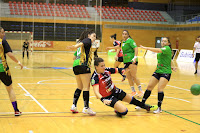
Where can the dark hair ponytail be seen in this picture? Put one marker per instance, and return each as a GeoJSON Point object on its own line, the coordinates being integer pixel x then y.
{"type": "Point", "coordinates": [85, 34]}
{"type": "Point", "coordinates": [97, 61]}
{"type": "Point", "coordinates": [113, 36]}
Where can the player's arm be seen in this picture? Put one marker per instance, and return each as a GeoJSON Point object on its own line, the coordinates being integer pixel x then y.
{"type": "Point", "coordinates": [117, 52]}
{"type": "Point", "coordinates": [11, 55]}
{"type": "Point", "coordinates": [75, 46]}
{"type": "Point", "coordinates": [99, 96]}
{"type": "Point", "coordinates": [156, 50]}
{"type": "Point", "coordinates": [173, 66]}
{"type": "Point", "coordinates": [115, 70]}
{"type": "Point", "coordinates": [193, 51]}
{"type": "Point", "coordinates": [136, 54]}
{"type": "Point", "coordinates": [108, 48]}
{"type": "Point", "coordinates": [96, 91]}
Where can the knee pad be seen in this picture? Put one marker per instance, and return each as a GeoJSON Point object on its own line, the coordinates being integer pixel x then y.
{"type": "Point", "coordinates": [124, 113]}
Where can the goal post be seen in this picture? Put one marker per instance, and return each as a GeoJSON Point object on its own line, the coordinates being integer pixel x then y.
{"type": "Point", "coordinates": [18, 37]}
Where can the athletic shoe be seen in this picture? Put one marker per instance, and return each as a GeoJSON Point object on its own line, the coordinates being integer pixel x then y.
{"type": "Point", "coordinates": [18, 113]}
{"type": "Point", "coordinates": [124, 77]}
{"type": "Point", "coordinates": [74, 109]}
{"type": "Point", "coordinates": [195, 72]}
{"type": "Point", "coordinates": [88, 111]}
{"type": "Point", "coordinates": [140, 93]}
{"type": "Point", "coordinates": [159, 110]}
{"type": "Point", "coordinates": [138, 108]}
{"type": "Point", "coordinates": [134, 94]}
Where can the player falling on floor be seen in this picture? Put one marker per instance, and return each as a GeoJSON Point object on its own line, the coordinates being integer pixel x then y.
{"type": "Point", "coordinates": [81, 69]}
{"type": "Point", "coordinates": [5, 75]}
{"type": "Point", "coordinates": [108, 93]}
{"type": "Point", "coordinates": [119, 53]}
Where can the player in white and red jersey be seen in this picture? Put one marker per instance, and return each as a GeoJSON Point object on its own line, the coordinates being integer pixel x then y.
{"type": "Point", "coordinates": [119, 53]}
{"type": "Point", "coordinates": [109, 94]}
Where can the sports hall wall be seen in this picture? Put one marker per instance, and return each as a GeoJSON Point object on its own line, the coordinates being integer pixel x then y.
{"type": "Point", "coordinates": [141, 36]}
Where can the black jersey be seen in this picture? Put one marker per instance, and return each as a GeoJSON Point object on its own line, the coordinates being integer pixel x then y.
{"type": "Point", "coordinates": [26, 44]}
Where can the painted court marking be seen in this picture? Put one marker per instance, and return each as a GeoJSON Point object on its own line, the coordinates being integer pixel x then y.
{"type": "Point", "coordinates": [27, 93]}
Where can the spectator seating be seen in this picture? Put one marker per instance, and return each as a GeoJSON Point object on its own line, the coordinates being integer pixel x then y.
{"type": "Point", "coordinates": [44, 9]}
{"type": "Point", "coordinates": [126, 13]}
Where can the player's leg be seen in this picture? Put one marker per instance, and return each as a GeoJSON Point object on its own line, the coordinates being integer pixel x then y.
{"type": "Point", "coordinates": [23, 52]}
{"type": "Point", "coordinates": [7, 80]}
{"type": "Point", "coordinates": [133, 70]}
{"type": "Point", "coordinates": [77, 94]}
{"type": "Point", "coordinates": [27, 52]}
{"type": "Point", "coordinates": [85, 78]}
{"type": "Point", "coordinates": [161, 85]}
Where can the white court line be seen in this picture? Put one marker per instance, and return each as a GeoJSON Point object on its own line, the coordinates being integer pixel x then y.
{"type": "Point", "coordinates": [39, 82]}
{"type": "Point", "coordinates": [32, 97]}
{"type": "Point", "coordinates": [178, 88]}
{"type": "Point", "coordinates": [175, 98]}
{"type": "Point", "coordinates": [5, 113]}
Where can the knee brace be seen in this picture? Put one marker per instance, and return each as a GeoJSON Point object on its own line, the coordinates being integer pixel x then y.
{"type": "Point", "coordinates": [124, 113]}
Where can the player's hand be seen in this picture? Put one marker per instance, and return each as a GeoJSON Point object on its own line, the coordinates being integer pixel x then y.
{"type": "Point", "coordinates": [174, 69]}
{"type": "Point", "coordinates": [70, 47]}
{"type": "Point", "coordinates": [143, 47]}
{"type": "Point", "coordinates": [21, 65]}
{"type": "Point", "coordinates": [134, 60]}
{"type": "Point", "coordinates": [107, 102]}
{"type": "Point", "coordinates": [108, 48]}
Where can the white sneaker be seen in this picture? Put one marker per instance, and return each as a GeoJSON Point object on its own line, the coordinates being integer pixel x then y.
{"type": "Point", "coordinates": [74, 109]}
{"type": "Point", "coordinates": [159, 110]}
{"type": "Point", "coordinates": [88, 111]}
{"type": "Point", "coordinates": [138, 108]}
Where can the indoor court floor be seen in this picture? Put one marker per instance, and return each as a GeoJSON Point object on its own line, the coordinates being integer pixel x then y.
{"type": "Point", "coordinates": [45, 87]}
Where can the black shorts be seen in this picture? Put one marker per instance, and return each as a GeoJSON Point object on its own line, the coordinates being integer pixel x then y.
{"type": "Point", "coordinates": [158, 75]}
{"type": "Point", "coordinates": [120, 59]}
{"type": "Point", "coordinates": [117, 95]}
{"type": "Point", "coordinates": [25, 48]}
{"type": "Point", "coordinates": [197, 57]}
{"type": "Point", "coordinates": [5, 78]}
{"type": "Point", "coordinates": [126, 65]}
{"type": "Point", "coordinates": [81, 69]}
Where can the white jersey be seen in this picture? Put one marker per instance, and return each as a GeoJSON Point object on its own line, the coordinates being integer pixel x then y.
{"type": "Point", "coordinates": [197, 47]}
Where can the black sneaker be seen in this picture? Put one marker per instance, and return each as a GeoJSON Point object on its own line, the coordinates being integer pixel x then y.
{"type": "Point", "coordinates": [195, 72]}
{"type": "Point", "coordinates": [124, 77]}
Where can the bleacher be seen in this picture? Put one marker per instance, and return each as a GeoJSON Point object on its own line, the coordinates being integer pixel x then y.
{"type": "Point", "coordinates": [195, 19]}
{"type": "Point", "coordinates": [126, 13]}
{"type": "Point", "coordinates": [44, 9]}
{"type": "Point", "coordinates": [80, 11]}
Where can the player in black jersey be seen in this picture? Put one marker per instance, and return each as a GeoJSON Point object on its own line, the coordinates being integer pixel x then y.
{"type": "Point", "coordinates": [25, 48]}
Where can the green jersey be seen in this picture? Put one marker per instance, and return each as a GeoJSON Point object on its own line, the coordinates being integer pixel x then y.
{"type": "Point", "coordinates": [128, 50]}
{"type": "Point", "coordinates": [78, 55]}
{"type": "Point", "coordinates": [164, 61]}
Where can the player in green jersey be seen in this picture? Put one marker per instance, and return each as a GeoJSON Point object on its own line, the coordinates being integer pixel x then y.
{"type": "Point", "coordinates": [130, 52]}
{"type": "Point", "coordinates": [81, 68]}
{"type": "Point", "coordinates": [163, 72]}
